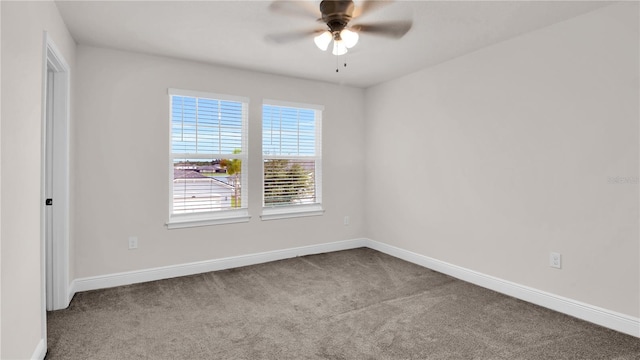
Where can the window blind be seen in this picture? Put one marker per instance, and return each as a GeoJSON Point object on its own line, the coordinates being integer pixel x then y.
{"type": "Point", "coordinates": [208, 153]}
{"type": "Point", "coordinates": [291, 155]}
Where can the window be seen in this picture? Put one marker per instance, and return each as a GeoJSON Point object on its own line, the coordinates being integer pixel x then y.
{"type": "Point", "coordinates": [292, 160]}
{"type": "Point", "coordinates": [208, 159]}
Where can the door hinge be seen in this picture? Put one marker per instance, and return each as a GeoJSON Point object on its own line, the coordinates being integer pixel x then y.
{"type": "Point", "coordinates": [48, 202]}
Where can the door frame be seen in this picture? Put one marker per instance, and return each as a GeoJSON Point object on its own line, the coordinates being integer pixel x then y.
{"type": "Point", "coordinates": [60, 114]}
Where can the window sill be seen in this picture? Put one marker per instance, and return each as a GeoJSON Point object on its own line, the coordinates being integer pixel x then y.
{"type": "Point", "coordinates": [208, 219]}
{"type": "Point", "coordinates": [287, 212]}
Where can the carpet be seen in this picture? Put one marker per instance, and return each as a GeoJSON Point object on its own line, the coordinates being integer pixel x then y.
{"type": "Point", "coordinates": [353, 304]}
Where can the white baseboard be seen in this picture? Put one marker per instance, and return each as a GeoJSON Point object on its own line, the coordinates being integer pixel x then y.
{"type": "Point", "coordinates": [603, 317]}
{"type": "Point", "coordinates": [40, 351]}
{"type": "Point", "coordinates": [166, 272]}
{"type": "Point", "coordinates": [72, 291]}
{"type": "Point", "coordinates": [610, 319]}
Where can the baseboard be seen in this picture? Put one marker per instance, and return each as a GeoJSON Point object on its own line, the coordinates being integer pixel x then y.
{"type": "Point", "coordinates": [72, 291]}
{"type": "Point", "coordinates": [41, 350]}
{"type": "Point", "coordinates": [166, 272]}
{"type": "Point", "coordinates": [603, 317]}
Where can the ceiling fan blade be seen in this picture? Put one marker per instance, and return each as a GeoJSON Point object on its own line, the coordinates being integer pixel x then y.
{"type": "Point", "coordinates": [368, 6]}
{"type": "Point", "coordinates": [305, 9]}
{"type": "Point", "coordinates": [291, 36]}
{"type": "Point", "coordinates": [392, 29]}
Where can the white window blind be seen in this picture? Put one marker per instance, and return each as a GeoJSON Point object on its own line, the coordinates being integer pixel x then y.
{"type": "Point", "coordinates": [208, 153]}
{"type": "Point", "coordinates": [291, 149]}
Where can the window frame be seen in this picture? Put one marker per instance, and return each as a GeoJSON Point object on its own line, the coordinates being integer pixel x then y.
{"type": "Point", "coordinates": [214, 217]}
{"type": "Point", "coordinates": [298, 210]}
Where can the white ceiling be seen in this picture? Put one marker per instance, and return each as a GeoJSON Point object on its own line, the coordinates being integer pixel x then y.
{"type": "Point", "coordinates": [232, 33]}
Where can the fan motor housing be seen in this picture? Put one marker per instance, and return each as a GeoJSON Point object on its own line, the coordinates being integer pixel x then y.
{"type": "Point", "coordinates": [336, 13]}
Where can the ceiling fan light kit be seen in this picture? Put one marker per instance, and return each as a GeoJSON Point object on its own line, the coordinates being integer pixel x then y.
{"type": "Point", "coordinates": [346, 39]}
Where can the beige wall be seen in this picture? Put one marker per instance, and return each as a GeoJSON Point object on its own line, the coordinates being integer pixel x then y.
{"type": "Point", "coordinates": [23, 24]}
{"type": "Point", "coordinates": [121, 157]}
{"type": "Point", "coordinates": [508, 153]}
{"type": "Point", "coordinates": [495, 159]}
{"type": "Point", "coordinates": [0, 180]}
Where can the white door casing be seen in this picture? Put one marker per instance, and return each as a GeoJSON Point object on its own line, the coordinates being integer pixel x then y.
{"type": "Point", "coordinates": [55, 179]}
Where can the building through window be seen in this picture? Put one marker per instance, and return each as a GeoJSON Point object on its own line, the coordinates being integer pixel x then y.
{"type": "Point", "coordinates": [208, 155]}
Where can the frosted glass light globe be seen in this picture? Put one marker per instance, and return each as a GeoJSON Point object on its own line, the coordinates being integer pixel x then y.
{"type": "Point", "coordinates": [323, 40]}
{"type": "Point", "coordinates": [339, 48]}
{"type": "Point", "coordinates": [349, 37]}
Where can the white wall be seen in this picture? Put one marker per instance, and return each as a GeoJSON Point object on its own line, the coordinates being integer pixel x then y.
{"type": "Point", "coordinates": [23, 24]}
{"type": "Point", "coordinates": [121, 157]}
{"type": "Point", "coordinates": [508, 153]}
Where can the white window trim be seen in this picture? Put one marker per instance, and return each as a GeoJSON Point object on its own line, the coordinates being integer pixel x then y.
{"type": "Point", "coordinates": [287, 212]}
{"type": "Point", "coordinates": [295, 211]}
{"type": "Point", "coordinates": [181, 221]}
{"type": "Point", "coordinates": [292, 104]}
{"type": "Point", "coordinates": [202, 94]}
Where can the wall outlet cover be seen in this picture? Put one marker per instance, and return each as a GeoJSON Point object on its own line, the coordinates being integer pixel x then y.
{"type": "Point", "coordinates": [133, 242]}
{"type": "Point", "coordinates": [555, 260]}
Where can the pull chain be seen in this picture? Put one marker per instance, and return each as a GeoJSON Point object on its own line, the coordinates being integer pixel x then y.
{"type": "Point", "coordinates": [338, 62]}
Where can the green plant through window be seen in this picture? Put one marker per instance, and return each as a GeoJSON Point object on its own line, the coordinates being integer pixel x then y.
{"type": "Point", "coordinates": [287, 181]}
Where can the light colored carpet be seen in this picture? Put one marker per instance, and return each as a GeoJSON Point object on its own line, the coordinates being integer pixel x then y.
{"type": "Point", "coordinates": [355, 304]}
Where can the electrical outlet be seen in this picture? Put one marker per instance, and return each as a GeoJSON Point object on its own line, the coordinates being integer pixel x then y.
{"type": "Point", "coordinates": [555, 260]}
{"type": "Point", "coordinates": [346, 221]}
{"type": "Point", "coordinates": [133, 242]}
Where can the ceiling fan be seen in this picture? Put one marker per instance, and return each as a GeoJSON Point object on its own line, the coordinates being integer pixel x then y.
{"type": "Point", "coordinates": [337, 15]}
